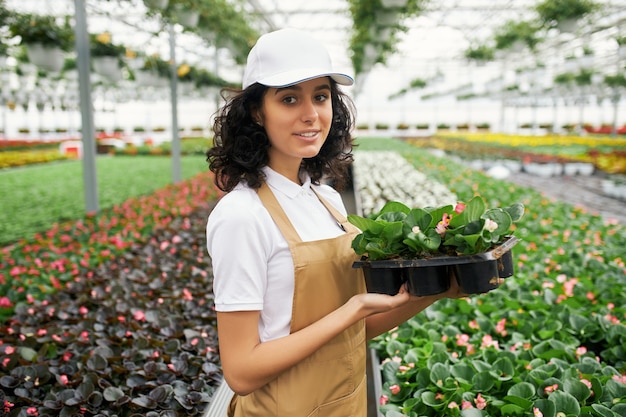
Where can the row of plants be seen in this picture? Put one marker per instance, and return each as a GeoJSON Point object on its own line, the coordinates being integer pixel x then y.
{"type": "Point", "coordinates": [112, 315]}
{"type": "Point", "coordinates": [21, 153]}
{"type": "Point", "coordinates": [58, 190]}
{"type": "Point", "coordinates": [423, 126]}
{"type": "Point", "coordinates": [606, 153]}
{"type": "Point", "coordinates": [549, 342]}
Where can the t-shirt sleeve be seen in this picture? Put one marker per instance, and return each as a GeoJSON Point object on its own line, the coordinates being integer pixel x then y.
{"type": "Point", "coordinates": [238, 249]}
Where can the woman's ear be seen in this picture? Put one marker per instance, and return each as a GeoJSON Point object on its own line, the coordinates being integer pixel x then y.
{"type": "Point", "coordinates": [257, 116]}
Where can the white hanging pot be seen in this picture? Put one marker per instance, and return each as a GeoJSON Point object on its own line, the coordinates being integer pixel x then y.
{"type": "Point", "coordinates": [518, 46]}
{"type": "Point", "coordinates": [388, 4]}
{"type": "Point", "coordinates": [108, 67]}
{"type": "Point", "coordinates": [156, 4]}
{"type": "Point", "coordinates": [567, 25]}
{"type": "Point", "coordinates": [49, 58]}
{"type": "Point", "coordinates": [187, 18]}
{"type": "Point", "coordinates": [386, 18]}
{"type": "Point", "coordinates": [147, 78]}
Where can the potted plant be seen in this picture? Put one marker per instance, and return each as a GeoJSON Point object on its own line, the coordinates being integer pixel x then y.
{"type": "Point", "coordinates": [184, 12]}
{"type": "Point", "coordinates": [480, 54]}
{"type": "Point", "coordinates": [514, 35]}
{"type": "Point", "coordinates": [44, 38]}
{"type": "Point", "coordinates": [106, 56]}
{"type": "Point", "coordinates": [615, 81]}
{"type": "Point", "coordinates": [156, 4]}
{"type": "Point", "coordinates": [423, 245]}
{"type": "Point", "coordinates": [564, 14]}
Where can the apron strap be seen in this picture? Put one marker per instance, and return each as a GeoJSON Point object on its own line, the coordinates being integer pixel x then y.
{"type": "Point", "coordinates": [278, 214]}
{"type": "Point", "coordinates": [342, 221]}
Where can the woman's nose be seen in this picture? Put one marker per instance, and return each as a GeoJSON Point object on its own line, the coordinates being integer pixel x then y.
{"type": "Point", "coordinates": [309, 112]}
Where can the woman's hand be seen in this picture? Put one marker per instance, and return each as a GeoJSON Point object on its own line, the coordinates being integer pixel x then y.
{"type": "Point", "coordinates": [372, 303]}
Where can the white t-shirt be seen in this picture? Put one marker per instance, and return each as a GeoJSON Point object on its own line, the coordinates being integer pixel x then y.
{"type": "Point", "coordinates": [252, 266]}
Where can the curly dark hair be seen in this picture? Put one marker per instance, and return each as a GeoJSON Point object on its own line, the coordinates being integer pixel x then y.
{"type": "Point", "coordinates": [240, 145]}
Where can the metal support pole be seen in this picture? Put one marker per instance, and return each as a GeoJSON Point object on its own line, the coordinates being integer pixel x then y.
{"type": "Point", "coordinates": [86, 106]}
{"type": "Point", "coordinates": [176, 176]}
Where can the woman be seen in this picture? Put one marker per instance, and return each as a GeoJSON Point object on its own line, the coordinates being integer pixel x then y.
{"type": "Point", "coordinates": [293, 315]}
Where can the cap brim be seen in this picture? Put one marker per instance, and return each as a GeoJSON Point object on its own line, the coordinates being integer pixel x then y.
{"type": "Point", "coordinates": [288, 78]}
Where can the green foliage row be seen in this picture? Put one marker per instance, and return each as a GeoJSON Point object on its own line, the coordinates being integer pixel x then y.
{"type": "Point", "coordinates": [549, 342]}
{"type": "Point", "coordinates": [42, 195]}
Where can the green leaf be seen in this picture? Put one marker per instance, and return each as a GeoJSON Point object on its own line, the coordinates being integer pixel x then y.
{"type": "Point", "coordinates": [473, 210]}
{"type": "Point", "coordinates": [524, 390]}
{"type": "Point", "coordinates": [516, 211]}
{"type": "Point", "coordinates": [394, 206]}
{"type": "Point", "coordinates": [565, 403]}
{"type": "Point", "coordinates": [365, 224]}
{"type": "Point", "coordinates": [483, 381]}
{"type": "Point", "coordinates": [113, 394]}
{"type": "Point", "coordinates": [603, 411]}
{"type": "Point", "coordinates": [27, 353]}
{"type": "Point", "coordinates": [515, 409]}
{"type": "Point", "coordinates": [577, 389]}
{"type": "Point", "coordinates": [523, 403]}
{"type": "Point", "coordinates": [439, 373]}
{"type": "Point", "coordinates": [547, 407]}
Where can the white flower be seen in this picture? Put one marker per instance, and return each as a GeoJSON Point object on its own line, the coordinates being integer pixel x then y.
{"type": "Point", "coordinates": [416, 229]}
{"type": "Point", "coordinates": [490, 225]}
{"type": "Point", "coordinates": [383, 176]}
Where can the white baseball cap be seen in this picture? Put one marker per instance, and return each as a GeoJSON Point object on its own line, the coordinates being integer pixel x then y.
{"type": "Point", "coordinates": [289, 56]}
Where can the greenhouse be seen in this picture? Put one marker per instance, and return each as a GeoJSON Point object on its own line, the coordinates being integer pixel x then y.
{"type": "Point", "coordinates": [487, 136]}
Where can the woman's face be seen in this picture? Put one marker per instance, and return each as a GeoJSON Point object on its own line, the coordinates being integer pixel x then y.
{"type": "Point", "coordinates": [297, 120]}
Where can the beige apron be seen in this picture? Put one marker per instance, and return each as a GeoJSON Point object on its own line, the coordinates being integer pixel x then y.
{"type": "Point", "coordinates": [331, 382]}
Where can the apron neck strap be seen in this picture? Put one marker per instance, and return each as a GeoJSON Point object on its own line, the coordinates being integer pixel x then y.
{"type": "Point", "coordinates": [342, 221]}
{"type": "Point", "coordinates": [278, 214]}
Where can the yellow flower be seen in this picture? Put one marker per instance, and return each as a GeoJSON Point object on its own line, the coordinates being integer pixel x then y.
{"type": "Point", "coordinates": [104, 37]}
{"type": "Point", "coordinates": [183, 69]}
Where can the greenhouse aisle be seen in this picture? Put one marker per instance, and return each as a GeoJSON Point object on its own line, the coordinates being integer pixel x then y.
{"type": "Point", "coordinates": [585, 191]}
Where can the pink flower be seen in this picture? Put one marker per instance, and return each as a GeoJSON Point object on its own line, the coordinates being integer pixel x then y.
{"type": "Point", "coordinates": [32, 411]}
{"type": "Point", "coordinates": [453, 405]}
{"type": "Point", "coordinates": [489, 342]}
{"type": "Point", "coordinates": [139, 315]}
{"type": "Point", "coordinates": [620, 378]}
{"type": "Point", "coordinates": [500, 327]}
{"type": "Point", "coordinates": [5, 302]}
{"type": "Point", "coordinates": [443, 224]}
{"type": "Point", "coordinates": [383, 400]}
{"type": "Point", "coordinates": [551, 388]}
{"type": "Point", "coordinates": [395, 389]}
{"type": "Point", "coordinates": [537, 412]}
{"type": "Point", "coordinates": [459, 207]}
{"type": "Point", "coordinates": [480, 402]}
{"type": "Point", "coordinates": [466, 405]}
{"type": "Point", "coordinates": [64, 379]}
{"type": "Point", "coordinates": [9, 350]}
{"type": "Point", "coordinates": [187, 295]}
{"type": "Point", "coordinates": [581, 351]}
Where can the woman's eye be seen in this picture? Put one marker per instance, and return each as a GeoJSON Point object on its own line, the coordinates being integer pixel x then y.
{"type": "Point", "coordinates": [322, 97]}
{"type": "Point", "coordinates": [289, 99]}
